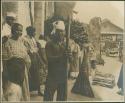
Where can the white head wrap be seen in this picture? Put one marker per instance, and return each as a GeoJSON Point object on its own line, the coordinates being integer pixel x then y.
{"type": "Point", "coordinates": [58, 25]}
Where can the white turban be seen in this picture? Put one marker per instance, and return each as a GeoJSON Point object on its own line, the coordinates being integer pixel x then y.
{"type": "Point", "coordinates": [58, 25]}
{"type": "Point", "coordinates": [11, 14]}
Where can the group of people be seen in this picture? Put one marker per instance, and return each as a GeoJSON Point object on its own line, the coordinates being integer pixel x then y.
{"type": "Point", "coordinates": [23, 61]}
{"type": "Point", "coordinates": [30, 64]}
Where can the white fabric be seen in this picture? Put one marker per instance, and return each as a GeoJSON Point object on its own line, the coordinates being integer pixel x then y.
{"type": "Point", "coordinates": [42, 88]}
{"type": "Point", "coordinates": [13, 92]}
{"type": "Point", "coordinates": [6, 30]}
{"type": "Point", "coordinates": [58, 25]}
{"type": "Point", "coordinates": [43, 43]}
{"type": "Point", "coordinates": [11, 14]}
{"type": "Point", "coordinates": [74, 74]}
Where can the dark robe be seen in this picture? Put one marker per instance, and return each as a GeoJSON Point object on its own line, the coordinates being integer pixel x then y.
{"type": "Point", "coordinates": [34, 82]}
{"type": "Point", "coordinates": [56, 63]}
{"type": "Point", "coordinates": [82, 85]}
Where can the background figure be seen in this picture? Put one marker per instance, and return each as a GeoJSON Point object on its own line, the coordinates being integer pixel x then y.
{"type": "Point", "coordinates": [74, 64]}
{"type": "Point", "coordinates": [92, 61]}
{"type": "Point", "coordinates": [30, 42]}
{"type": "Point", "coordinates": [44, 67]}
{"type": "Point", "coordinates": [82, 85]}
{"type": "Point", "coordinates": [120, 81]}
{"type": "Point", "coordinates": [6, 28]}
{"type": "Point", "coordinates": [120, 53]}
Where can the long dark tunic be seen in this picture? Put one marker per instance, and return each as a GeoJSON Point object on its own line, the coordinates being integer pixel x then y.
{"type": "Point", "coordinates": [82, 84]}
{"type": "Point", "coordinates": [31, 44]}
{"type": "Point", "coordinates": [56, 63]}
{"type": "Point", "coordinates": [34, 81]}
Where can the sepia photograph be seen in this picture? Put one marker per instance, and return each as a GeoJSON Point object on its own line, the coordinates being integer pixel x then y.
{"type": "Point", "coordinates": [60, 50]}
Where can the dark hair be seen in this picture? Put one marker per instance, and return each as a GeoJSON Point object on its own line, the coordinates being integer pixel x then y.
{"type": "Point", "coordinates": [14, 27]}
{"type": "Point", "coordinates": [30, 29]}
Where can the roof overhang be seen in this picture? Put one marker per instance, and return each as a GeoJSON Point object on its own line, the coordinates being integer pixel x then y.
{"type": "Point", "coordinates": [117, 33]}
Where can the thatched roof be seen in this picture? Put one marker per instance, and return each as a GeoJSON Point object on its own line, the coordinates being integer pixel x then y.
{"type": "Point", "coordinates": [107, 27]}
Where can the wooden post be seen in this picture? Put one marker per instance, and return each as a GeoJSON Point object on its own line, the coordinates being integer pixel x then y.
{"type": "Point", "coordinates": [67, 47]}
{"type": "Point", "coordinates": [31, 16]}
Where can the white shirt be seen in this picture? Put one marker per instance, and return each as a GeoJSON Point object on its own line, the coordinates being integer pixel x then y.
{"type": "Point", "coordinates": [32, 45]}
{"type": "Point", "coordinates": [43, 43]}
{"type": "Point", "coordinates": [6, 30]}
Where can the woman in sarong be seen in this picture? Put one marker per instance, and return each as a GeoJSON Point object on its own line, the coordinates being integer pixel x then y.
{"type": "Point", "coordinates": [82, 84]}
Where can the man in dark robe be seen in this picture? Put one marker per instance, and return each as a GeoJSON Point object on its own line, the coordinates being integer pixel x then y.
{"type": "Point", "coordinates": [57, 71]}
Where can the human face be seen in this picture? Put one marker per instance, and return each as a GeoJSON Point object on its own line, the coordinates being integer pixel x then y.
{"type": "Point", "coordinates": [31, 33]}
{"type": "Point", "coordinates": [17, 32]}
{"type": "Point", "coordinates": [60, 34]}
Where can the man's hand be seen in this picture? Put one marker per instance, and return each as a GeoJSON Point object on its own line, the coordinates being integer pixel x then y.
{"type": "Point", "coordinates": [68, 54]}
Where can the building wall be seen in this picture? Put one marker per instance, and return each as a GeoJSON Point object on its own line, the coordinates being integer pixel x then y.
{"type": "Point", "coordinates": [8, 7]}
{"type": "Point", "coordinates": [43, 11]}
{"type": "Point", "coordinates": [112, 37]}
{"type": "Point", "coordinates": [23, 15]}
{"type": "Point", "coordinates": [39, 18]}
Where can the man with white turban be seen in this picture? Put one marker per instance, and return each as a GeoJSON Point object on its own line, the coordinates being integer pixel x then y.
{"type": "Point", "coordinates": [58, 25]}
{"type": "Point", "coordinates": [10, 19]}
{"type": "Point", "coordinates": [57, 71]}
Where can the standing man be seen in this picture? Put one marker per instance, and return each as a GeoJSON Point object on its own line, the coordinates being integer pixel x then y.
{"type": "Point", "coordinates": [31, 43]}
{"type": "Point", "coordinates": [57, 71]}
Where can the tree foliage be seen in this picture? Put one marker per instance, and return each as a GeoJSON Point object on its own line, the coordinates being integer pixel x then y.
{"type": "Point", "coordinates": [78, 32]}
